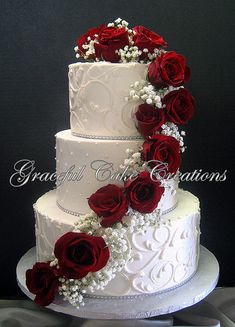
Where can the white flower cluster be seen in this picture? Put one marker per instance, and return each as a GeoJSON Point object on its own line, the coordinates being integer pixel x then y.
{"type": "Point", "coordinates": [89, 49]}
{"type": "Point", "coordinates": [120, 23]}
{"type": "Point", "coordinates": [133, 163]}
{"type": "Point", "coordinates": [132, 54]}
{"type": "Point", "coordinates": [88, 223]}
{"type": "Point", "coordinates": [171, 129]}
{"type": "Point", "coordinates": [129, 53]}
{"type": "Point", "coordinates": [137, 222]}
{"type": "Point", "coordinates": [73, 290]}
{"type": "Point", "coordinates": [145, 91]}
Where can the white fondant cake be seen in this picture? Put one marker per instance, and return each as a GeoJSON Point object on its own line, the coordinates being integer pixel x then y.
{"type": "Point", "coordinates": [162, 258]}
{"type": "Point", "coordinates": [165, 256]}
{"type": "Point", "coordinates": [97, 232]}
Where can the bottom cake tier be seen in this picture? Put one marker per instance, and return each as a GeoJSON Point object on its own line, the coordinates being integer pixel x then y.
{"type": "Point", "coordinates": [162, 258]}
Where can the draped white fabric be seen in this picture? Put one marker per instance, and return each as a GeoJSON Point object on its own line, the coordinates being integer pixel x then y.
{"type": "Point", "coordinates": [218, 309]}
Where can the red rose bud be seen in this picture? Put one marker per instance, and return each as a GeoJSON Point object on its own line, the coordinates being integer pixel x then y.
{"type": "Point", "coordinates": [144, 193]}
{"type": "Point", "coordinates": [80, 253]}
{"type": "Point", "coordinates": [168, 69]}
{"type": "Point", "coordinates": [146, 39]}
{"type": "Point", "coordinates": [149, 119]}
{"type": "Point", "coordinates": [180, 106]}
{"type": "Point", "coordinates": [162, 148]}
{"type": "Point", "coordinates": [43, 281]}
{"type": "Point", "coordinates": [109, 203]}
{"type": "Point", "coordinates": [89, 34]}
{"type": "Point", "coordinates": [111, 39]}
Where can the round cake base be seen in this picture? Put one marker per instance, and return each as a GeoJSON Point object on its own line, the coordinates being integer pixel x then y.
{"type": "Point", "coordinates": [196, 289]}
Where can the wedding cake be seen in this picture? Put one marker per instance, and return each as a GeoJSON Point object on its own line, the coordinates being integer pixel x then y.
{"type": "Point", "coordinates": [117, 224]}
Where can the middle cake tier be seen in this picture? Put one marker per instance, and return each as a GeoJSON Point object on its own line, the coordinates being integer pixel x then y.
{"type": "Point", "coordinates": [84, 165]}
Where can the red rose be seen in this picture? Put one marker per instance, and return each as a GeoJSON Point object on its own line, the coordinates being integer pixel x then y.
{"type": "Point", "coordinates": [80, 253]}
{"type": "Point", "coordinates": [180, 106]}
{"type": "Point", "coordinates": [149, 119]}
{"type": "Point", "coordinates": [143, 193]}
{"type": "Point", "coordinates": [89, 34]}
{"type": "Point", "coordinates": [168, 69]}
{"type": "Point", "coordinates": [146, 39]}
{"type": "Point", "coordinates": [109, 203]}
{"type": "Point", "coordinates": [42, 280]}
{"type": "Point", "coordinates": [162, 148]}
{"type": "Point", "coordinates": [111, 39]}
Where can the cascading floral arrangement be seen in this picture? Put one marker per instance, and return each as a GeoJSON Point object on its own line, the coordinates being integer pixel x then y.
{"type": "Point", "coordinates": [88, 257]}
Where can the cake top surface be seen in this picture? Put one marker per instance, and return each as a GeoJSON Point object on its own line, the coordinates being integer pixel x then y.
{"type": "Point", "coordinates": [106, 64]}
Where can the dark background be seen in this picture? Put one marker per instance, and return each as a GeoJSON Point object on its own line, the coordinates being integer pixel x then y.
{"type": "Point", "coordinates": [37, 40]}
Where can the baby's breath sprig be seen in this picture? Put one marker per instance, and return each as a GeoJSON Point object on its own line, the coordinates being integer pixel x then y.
{"type": "Point", "coordinates": [133, 163]}
{"type": "Point", "coordinates": [171, 129]}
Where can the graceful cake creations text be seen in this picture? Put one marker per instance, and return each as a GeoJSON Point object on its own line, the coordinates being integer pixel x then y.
{"type": "Point", "coordinates": [129, 237]}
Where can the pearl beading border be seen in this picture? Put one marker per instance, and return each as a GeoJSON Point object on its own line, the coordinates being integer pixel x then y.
{"type": "Point", "coordinates": [103, 137]}
{"type": "Point", "coordinates": [139, 296]}
{"type": "Point", "coordinates": [74, 213]}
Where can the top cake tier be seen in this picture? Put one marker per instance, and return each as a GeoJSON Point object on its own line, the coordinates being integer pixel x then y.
{"type": "Point", "coordinates": [97, 94]}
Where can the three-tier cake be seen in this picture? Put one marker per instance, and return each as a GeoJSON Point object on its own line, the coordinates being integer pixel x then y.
{"type": "Point", "coordinates": [117, 223]}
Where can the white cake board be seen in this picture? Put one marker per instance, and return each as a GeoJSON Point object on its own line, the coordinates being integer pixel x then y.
{"type": "Point", "coordinates": [196, 289]}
